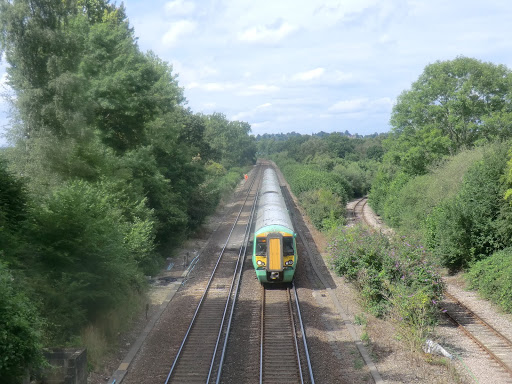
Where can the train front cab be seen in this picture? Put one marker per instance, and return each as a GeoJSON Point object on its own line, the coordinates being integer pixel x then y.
{"type": "Point", "coordinates": [275, 257]}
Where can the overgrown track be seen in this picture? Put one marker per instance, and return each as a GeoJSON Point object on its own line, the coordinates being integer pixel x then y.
{"type": "Point", "coordinates": [358, 211]}
{"type": "Point", "coordinates": [280, 354]}
{"type": "Point", "coordinates": [200, 356]}
{"type": "Point", "coordinates": [497, 345]}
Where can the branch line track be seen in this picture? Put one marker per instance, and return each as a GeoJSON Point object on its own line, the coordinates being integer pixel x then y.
{"type": "Point", "coordinates": [493, 342]}
{"type": "Point", "coordinates": [359, 210]}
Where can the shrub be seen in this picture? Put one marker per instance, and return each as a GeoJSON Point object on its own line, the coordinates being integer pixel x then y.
{"type": "Point", "coordinates": [492, 278]}
{"type": "Point", "coordinates": [414, 314]}
{"type": "Point", "coordinates": [383, 269]}
{"type": "Point", "coordinates": [324, 208]}
{"type": "Point", "coordinates": [87, 255]}
{"type": "Point", "coordinates": [464, 229]}
{"type": "Point", "coordinates": [20, 331]}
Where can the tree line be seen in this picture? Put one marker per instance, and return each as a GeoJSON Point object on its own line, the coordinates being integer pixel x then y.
{"type": "Point", "coordinates": [325, 170]}
{"type": "Point", "coordinates": [107, 172]}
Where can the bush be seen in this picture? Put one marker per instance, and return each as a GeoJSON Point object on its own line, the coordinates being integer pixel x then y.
{"type": "Point", "coordinates": [378, 266]}
{"type": "Point", "coordinates": [324, 208]}
{"type": "Point", "coordinates": [357, 176]}
{"type": "Point", "coordinates": [465, 228]}
{"type": "Point", "coordinates": [87, 256]}
{"type": "Point", "coordinates": [492, 278]}
{"type": "Point", "coordinates": [306, 178]}
{"type": "Point", "coordinates": [413, 313]}
{"type": "Point", "coordinates": [20, 331]}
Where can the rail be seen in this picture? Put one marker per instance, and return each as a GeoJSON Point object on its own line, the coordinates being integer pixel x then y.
{"type": "Point", "coordinates": [195, 324]}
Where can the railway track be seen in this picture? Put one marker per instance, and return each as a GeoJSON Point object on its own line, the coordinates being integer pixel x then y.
{"type": "Point", "coordinates": [493, 342]}
{"type": "Point", "coordinates": [280, 348]}
{"type": "Point", "coordinates": [201, 354]}
{"type": "Point", "coordinates": [358, 210]}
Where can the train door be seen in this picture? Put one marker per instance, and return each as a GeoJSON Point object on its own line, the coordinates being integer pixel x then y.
{"type": "Point", "coordinates": [274, 253]}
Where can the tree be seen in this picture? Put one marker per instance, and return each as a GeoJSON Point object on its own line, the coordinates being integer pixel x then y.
{"type": "Point", "coordinates": [446, 109]}
{"type": "Point", "coordinates": [20, 330]}
{"type": "Point", "coordinates": [229, 140]}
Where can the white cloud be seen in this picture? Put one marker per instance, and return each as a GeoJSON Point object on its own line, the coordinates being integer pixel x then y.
{"type": "Point", "coordinates": [342, 77]}
{"type": "Point", "coordinates": [179, 7]}
{"type": "Point", "coordinates": [362, 104]}
{"type": "Point", "coordinates": [263, 88]}
{"type": "Point", "coordinates": [309, 75]}
{"type": "Point", "coordinates": [178, 30]}
{"type": "Point", "coordinates": [258, 89]}
{"type": "Point", "coordinates": [210, 105]}
{"type": "Point", "coordinates": [261, 124]}
{"type": "Point", "coordinates": [253, 112]}
{"type": "Point", "coordinates": [213, 87]}
{"type": "Point", "coordinates": [266, 34]}
{"type": "Point", "coordinates": [346, 106]}
{"type": "Point", "coordinates": [302, 14]}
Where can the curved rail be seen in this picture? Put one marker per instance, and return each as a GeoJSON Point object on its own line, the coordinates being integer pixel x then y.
{"type": "Point", "coordinates": [359, 210]}
{"type": "Point", "coordinates": [477, 338]}
{"type": "Point", "coordinates": [207, 290]}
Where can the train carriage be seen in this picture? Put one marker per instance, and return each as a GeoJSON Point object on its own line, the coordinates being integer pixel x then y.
{"type": "Point", "coordinates": [274, 249]}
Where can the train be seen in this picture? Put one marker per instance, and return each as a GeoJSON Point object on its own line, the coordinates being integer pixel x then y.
{"type": "Point", "coordinates": [274, 255]}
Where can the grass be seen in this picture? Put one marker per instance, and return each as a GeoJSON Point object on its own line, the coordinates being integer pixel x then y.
{"type": "Point", "coordinates": [101, 337]}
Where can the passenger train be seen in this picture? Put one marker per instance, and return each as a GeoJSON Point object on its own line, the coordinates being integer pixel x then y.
{"type": "Point", "coordinates": [274, 249]}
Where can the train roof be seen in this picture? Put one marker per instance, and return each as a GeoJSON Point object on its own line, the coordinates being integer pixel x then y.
{"type": "Point", "coordinates": [272, 209]}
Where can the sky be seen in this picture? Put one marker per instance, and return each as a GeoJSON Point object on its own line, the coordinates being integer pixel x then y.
{"type": "Point", "coordinates": [310, 65]}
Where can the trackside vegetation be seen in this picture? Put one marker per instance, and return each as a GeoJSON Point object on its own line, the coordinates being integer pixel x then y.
{"type": "Point", "coordinates": [396, 278]}
{"type": "Point", "coordinates": [106, 173]}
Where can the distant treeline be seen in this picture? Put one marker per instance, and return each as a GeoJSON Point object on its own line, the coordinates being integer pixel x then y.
{"type": "Point", "coordinates": [107, 172]}
{"type": "Point", "coordinates": [325, 170]}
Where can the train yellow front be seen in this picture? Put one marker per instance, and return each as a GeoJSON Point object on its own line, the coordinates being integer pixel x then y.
{"type": "Point", "coordinates": [274, 251]}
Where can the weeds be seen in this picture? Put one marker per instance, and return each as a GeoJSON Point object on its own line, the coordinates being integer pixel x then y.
{"type": "Point", "coordinates": [395, 279]}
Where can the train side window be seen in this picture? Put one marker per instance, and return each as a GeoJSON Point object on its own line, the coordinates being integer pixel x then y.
{"type": "Point", "coordinates": [261, 247]}
{"type": "Point", "coordinates": [288, 246]}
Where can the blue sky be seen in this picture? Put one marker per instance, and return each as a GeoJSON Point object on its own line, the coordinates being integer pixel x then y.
{"type": "Point", "coordinates": [312, 65]}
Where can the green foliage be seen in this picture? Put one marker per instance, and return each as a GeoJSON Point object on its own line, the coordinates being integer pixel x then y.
{"type": "Point", "coordinates": [229, 140]}
{"type": "Point", "coordinates": [322, 170]}
{"type": "Point", "coordinates": [492, 278]}
{"type": "Point", "coordinates": [86, 256]}
{"type": "Point", "coordinates": [359, 175]}
{"type": "Point", "coordinates": [453, 105]}
{"type": "Point", "coordinates": [392, 208]}
{"type": "Point", "coordinates": [377, 266]}
{"type": "Point", "coordinates": [323, 194]}
{"type": "Point", "coordinates": [324, 208]}
{"type": "Point", "coordinates": [414, 313]}
{"type": "Point", "coordinates": [20, 330]}
{"type": "Point", "coordinates": [307, 178]}
{"type": "Point", "coordinates": [465, 228]}
{"type": "Point", "coordinates": [13, 214]}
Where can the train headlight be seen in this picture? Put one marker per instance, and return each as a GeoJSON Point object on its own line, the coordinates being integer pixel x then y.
{"type": "Point", "coordinates": [289, 262]}
{"type": "Point", "coordinates": [260, 263]}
